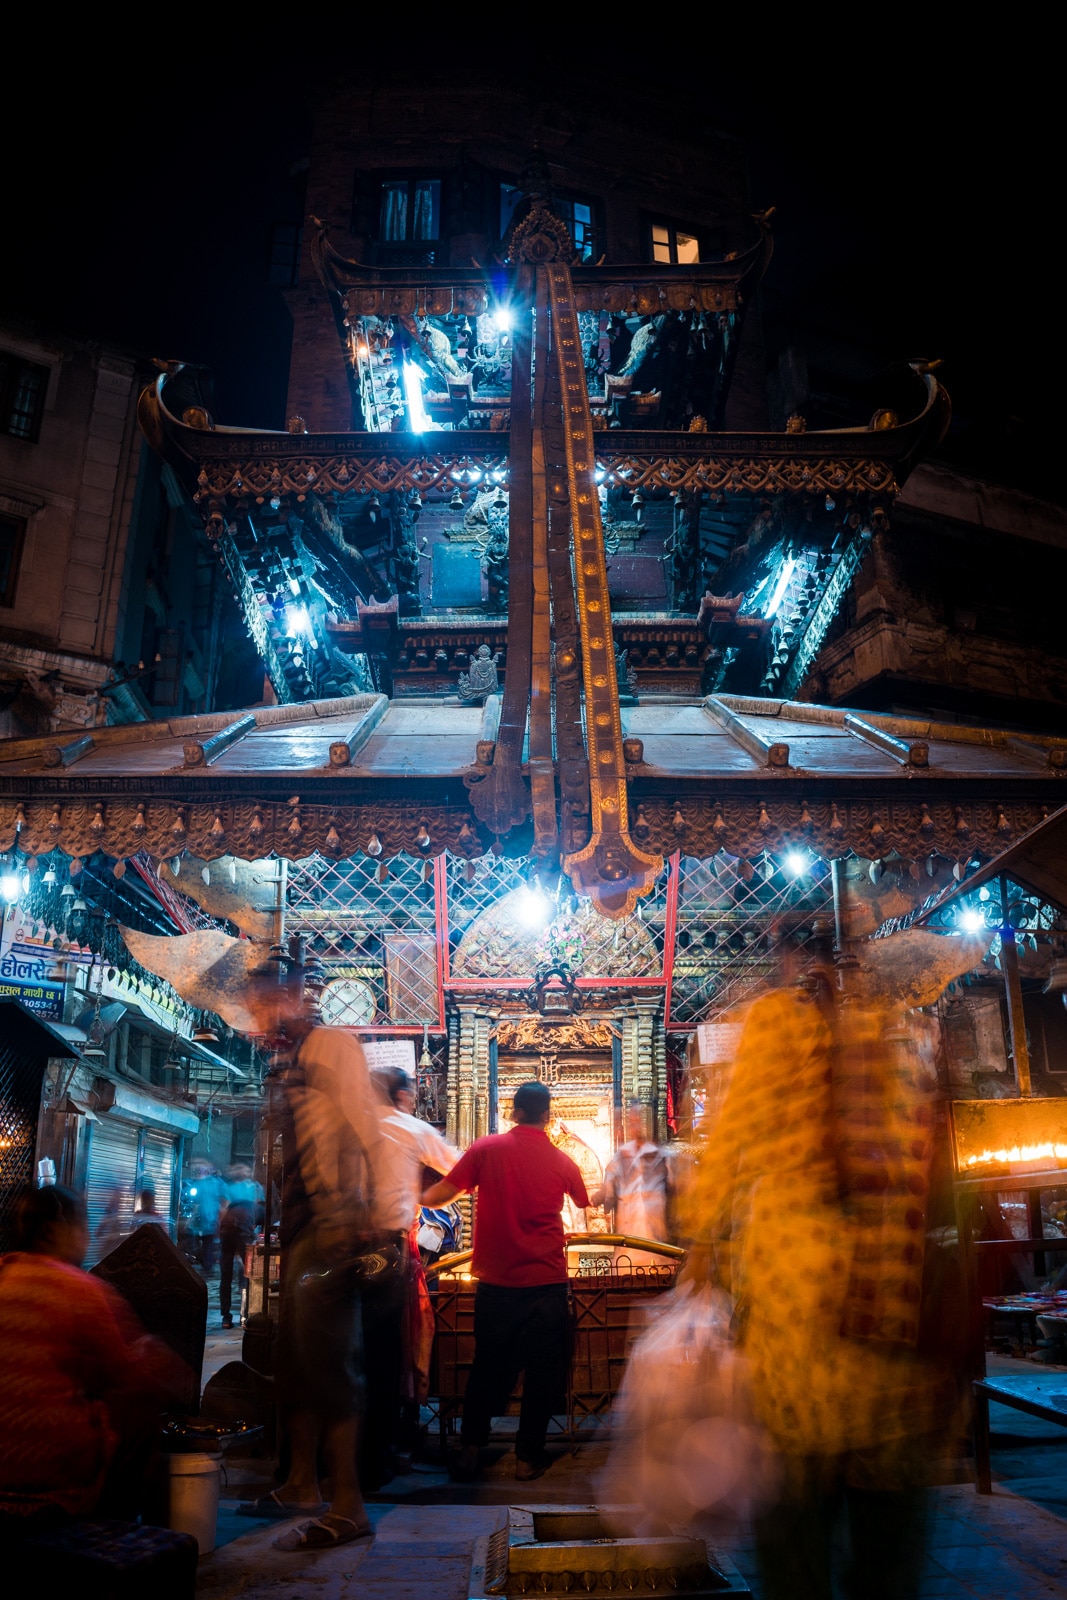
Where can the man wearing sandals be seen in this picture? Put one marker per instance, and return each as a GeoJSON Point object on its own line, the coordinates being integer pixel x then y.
{"type": "Point", "coordinates": [520, 1308]}
{"type": "Point", "coordinates": [331, 1245]}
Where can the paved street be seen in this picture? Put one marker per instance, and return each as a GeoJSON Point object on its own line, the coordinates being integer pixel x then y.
{"type": "Point", "coordinates": [1008, 1546]}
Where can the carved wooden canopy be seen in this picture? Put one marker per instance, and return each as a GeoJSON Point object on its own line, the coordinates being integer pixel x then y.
{"type": "Point", "coordinates": [557, 777]}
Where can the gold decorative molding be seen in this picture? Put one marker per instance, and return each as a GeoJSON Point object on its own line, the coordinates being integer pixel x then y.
{"type": "Point", "coordinates": [530, 1033]}
{"type": "Point", "coordinates": [611, 869]}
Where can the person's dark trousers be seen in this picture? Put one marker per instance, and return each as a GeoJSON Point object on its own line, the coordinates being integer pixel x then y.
{"type": "Point", "coordinates": [518, 1330]}
{"type": "Point", "coordinates": [234, 1239]}
{"type": "Point", "coordinates": [384, 1300]}
{"type": "Point", "coordinates": [801, 1541]}
{"type": "Point", "coordinates": [209, 1252]}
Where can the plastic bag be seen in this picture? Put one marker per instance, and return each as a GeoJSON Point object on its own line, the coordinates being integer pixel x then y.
{"type": "Point", "coordinates": [684, 1438]}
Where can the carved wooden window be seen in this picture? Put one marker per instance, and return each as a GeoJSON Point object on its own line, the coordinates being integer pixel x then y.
{"type": "Point", "coordinates": [12, 534]}
{"type": "Point", "coordinates": [410, 210]}
{"type": "Point", "coordinates": [673, 244]}
{"type": "Point", "coordinates": [23, 386]}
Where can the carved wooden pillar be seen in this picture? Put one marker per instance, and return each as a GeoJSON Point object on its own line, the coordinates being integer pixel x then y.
{"type": "Point", "coordinates": [452, 1082]}
{"type": "Point", "coordinates": [482, 1026]}
{"type": "Point", "coordinates": [639, 1052]}
{"type": "Point", "coordinates": [659, 1063]}
{"type": "Point", "coordinates": [628, 1026]}
{"type": "Point", "coordinates": [465, 1079]}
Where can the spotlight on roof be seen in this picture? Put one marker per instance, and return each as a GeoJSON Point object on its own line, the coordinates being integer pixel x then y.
{"type": "Point", "coordinates": [970, 921]}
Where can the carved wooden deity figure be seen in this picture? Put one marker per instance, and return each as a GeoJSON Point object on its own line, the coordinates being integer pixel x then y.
{"type": "Point", "coordinates": [481, 681]}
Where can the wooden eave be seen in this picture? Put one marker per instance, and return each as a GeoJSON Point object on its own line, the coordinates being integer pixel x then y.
{"type": "Point", "coordinates": [246, 462]}
{"type": "Point", "coordinates": [702, 784]}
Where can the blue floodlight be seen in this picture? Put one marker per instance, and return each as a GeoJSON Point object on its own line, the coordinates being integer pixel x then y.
{"type": "Point", "coordinates": [971, 921]}
{"type": "Point", "coordinates": [417, 416]}
{"type": "Point", "coordinates": [778, 592]}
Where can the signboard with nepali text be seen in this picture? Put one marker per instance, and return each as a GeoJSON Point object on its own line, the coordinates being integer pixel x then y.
{"type": "Point", "coordinates": [25, 963]}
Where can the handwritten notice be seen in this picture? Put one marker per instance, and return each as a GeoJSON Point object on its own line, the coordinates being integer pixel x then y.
{"type": "Point", "coordinates": [383, 1053]}
{"type": "Point", "coordinates": [717, 1042]}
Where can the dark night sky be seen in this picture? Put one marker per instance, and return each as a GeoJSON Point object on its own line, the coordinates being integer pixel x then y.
{"type": "Point", "coordinates": [915, 214]}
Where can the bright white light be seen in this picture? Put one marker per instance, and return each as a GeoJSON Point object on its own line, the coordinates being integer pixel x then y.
{"type": "Point", "coordinates": [9, 888]}
{"type": "Point", "coordinates": [796, 864]}
{"type": "Point", "coordinates": [971, 921]}
{"type": "Point", "coordinates": [413, 395]}
{"type": "Point", "coordinates": [778, 592]}
{"type": "Point", "coordinates": [294, 585]}
{"type": "Point", "coordinates": [599, 475]}
{"type": "Point", "coordinates": [297, 621]}
{"type": "Point", "coordinates": [502, 318]}
{"type": "Point", "coordinates": [533, 907]}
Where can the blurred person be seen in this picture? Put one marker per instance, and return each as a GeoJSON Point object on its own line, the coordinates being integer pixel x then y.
{"type": "Point", "coordinates": [208, 1195]}
{"type": "Point", "coordinates": [331, 1249]}
{"type": "Point", "coordinates": [145, 1210]}
{"type": "Point", "coordinates": [83, 1384]}
{"type": "Point", "coordinates": [237, 1229]}
{"type": "Point", "coordinates": [638, 1188]}
{"type": "Point", "coordinates": [810, 1202]}
{"type": "Point", "coordinates": [109, 1230]}
{"type": "Point", "coordinates": [397, 1312]}
{"type": "Point", "coordinates": [520, 1261]}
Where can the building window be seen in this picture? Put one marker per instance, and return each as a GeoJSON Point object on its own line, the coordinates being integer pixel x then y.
{"type": "Point", "coordinates": [283, 266]}
{"type": "Point", "coordinates": [676, 245]}
{"type": "Point", "coordinates": [579, 215]}
{"type": "Point", "coordinates": [411, 209]}
{"type": "Point", "coordinates": [23, 386]}
{"type": "Point", "coordinates": [12, 534]}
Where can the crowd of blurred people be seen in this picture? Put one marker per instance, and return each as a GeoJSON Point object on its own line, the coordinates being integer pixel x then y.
{"type": "Point", "coordinates": [810, 1212]}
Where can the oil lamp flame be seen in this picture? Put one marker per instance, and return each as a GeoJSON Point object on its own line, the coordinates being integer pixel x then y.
{"type": "Point", "coordinates": [1025, 1152]}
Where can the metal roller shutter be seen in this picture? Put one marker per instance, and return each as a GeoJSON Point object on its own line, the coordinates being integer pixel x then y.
{"type": "Point", "coordinates": [159, 1173]}
{"type": "Point", "coordinates": [112, 1168]}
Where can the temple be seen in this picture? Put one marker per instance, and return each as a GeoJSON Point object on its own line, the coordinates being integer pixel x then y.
{"type": "Point", "coordinates": [541, 778]}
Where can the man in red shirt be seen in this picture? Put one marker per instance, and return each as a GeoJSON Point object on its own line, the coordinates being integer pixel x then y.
{"type": "Point", "coordinates": [520, 1307]}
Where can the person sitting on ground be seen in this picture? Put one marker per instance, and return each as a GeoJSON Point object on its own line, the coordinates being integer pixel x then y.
{"type": "Point", "coordinates": [83, 1384]}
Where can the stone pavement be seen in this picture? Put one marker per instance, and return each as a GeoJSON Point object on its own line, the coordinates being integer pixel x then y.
{"type": "Point", "coordinates": [1011, 1545]}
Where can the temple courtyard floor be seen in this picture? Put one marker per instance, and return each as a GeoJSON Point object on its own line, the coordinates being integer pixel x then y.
{"type": "Point", "coordinates": [1011, 1545]}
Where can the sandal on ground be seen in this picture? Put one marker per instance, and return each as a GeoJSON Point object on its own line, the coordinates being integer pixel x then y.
{"type": "Point", "coordinates": [527, 1471]}
{"type": "Point", "coordinates": [271, 1505]}
{"type": "Point", "coordinates": [322, 1533]}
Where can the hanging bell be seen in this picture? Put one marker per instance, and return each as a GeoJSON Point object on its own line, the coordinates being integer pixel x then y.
{"type": "Point", "coordinates": [1057, 977]}
{"type": "Point", "coordinates": [456, 501]}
